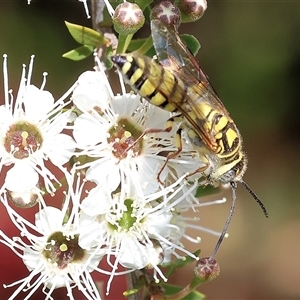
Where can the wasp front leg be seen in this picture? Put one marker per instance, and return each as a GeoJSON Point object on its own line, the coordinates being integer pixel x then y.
{"type": "Point", "coordinates": [177, 143]}
{"type": "Point", "coordinates": [200, 148]}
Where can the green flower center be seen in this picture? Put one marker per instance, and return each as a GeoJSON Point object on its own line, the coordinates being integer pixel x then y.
{"type": "Point", "coordinates": [127, 220]}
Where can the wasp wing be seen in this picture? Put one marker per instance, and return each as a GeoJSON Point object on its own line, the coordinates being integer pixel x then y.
{"type": "Point", "coordinates": [174, 55]}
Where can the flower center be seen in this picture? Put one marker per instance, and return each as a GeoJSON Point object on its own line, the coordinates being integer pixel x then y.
{"type": "Point", "coordinates": [22, 139]}
{"type": "Point", "coordinates": [123, 136]}
{"type": "Point", "coordinates": [127, 220]}
{"type": "Point", "coordinates": [62, 250]}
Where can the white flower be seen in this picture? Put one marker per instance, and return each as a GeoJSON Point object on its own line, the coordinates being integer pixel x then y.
{"type": "Point", "coordinates": [139, 230]}
{"type": "Point", "coordinates": [109, 131]}
{"type": "Point", "coordinates": [31, 133]}
{"type": "Point", "coordinates": [50, 250]}
{"type": "Point", "coordinates": [125, 136]}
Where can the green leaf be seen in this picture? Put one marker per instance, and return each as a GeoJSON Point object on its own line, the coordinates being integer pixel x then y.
{"type": "Point", "coordinates": [192, 43]}
{"type": "Point", "coordinates": [173, 289]}
{"type": "Point", "coordinates": [135, 44]}
{"type": "Point", "coordinates": [143, 3]}
{"type": "Point", "coordinates": [179, 263]}
{"type": "Point", "coordinates": [206, 190]}
{"type": "Point", "coordinates": [86, 36]}
{"type": "Point", "coordinates": [79, 53]}
{"type": "Point", "coordinates": [107, 61]}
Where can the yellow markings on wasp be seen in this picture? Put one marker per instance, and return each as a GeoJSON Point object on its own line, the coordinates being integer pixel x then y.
{"type": "Point", "coordinates": [223, 121]}
{"type": "Point", "coordinates": [231, 136]}
{"type": "Point", "coordinates": [136, 76]}
{"type": "Point", "coordinates": [147, 88]}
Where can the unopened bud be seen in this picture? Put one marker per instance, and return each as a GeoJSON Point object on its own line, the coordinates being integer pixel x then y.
{"type": "Point", "coordinates": [167, 13]}
{"type": "Point", "coordinates": [191, 10]}
{"type": "Point", "coordinates": [128, 18]}
{"type": "Point", "coordinates": [207, 268]}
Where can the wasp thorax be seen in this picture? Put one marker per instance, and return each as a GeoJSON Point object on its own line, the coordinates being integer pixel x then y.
{"type": "Point", "coordinates": [22, 139]}
{"type": "Point", "coordinates": [125, 136]}
{"type": "Point", "coordinates": [62, 250]}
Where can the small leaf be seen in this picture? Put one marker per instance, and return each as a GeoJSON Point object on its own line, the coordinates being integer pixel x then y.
{"type": "Point", "coordinates": [192, 43]}
{"type": "Point", "coordinates": [86, 36]}
{"type": "Point", "coordinates": [135, 44]}
{"type": "Point", "coordinates": [143, 3]}
{"type": "Point", "coordinates": [107, 61]}
{"type": "Point", "coordinates": [79, 53]}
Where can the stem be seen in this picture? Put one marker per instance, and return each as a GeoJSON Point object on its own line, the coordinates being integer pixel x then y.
{"type": "Point", "coordinates": [132, 283]}
{"type": "Point", "coordinates": [146, 46]}
{"type": "Point", "coordinates": [124, 41]}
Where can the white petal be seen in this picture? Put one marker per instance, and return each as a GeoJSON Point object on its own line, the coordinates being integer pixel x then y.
{"type": "Point", "coordinates": [21, 178]}
{"type": "Point", "coordinates": [84, 124]}
{"type": "Point", "coordinates": [133, 254]}
{"type": "Point", "coordinates": [61, 149]}
{"type": "Point", "coordinates": [49, 219]}
{"type": "Point", "coordinates": [31, 258]}
{"type": "Point", "coordinates": [97, 202]}
{"type": "Point", "coordinates": [37, 103]}
{"type": "Point", "coordinates": [91, 92]}
{"type": "Point", "coordinates": [105, 173]}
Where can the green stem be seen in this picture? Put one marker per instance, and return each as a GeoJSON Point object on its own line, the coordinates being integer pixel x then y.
{"type": "Point", "coordinates": [146, 46]}
{"type": "Point", "coordinates": [124, 41]}
{"type": "Point", "coordinates": [187, 290]}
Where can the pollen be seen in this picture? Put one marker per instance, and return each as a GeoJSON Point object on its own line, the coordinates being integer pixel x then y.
{"type": "Point", "coordinates": [63, 247]}
{"type": "Point", "coordinates": [63, 250]}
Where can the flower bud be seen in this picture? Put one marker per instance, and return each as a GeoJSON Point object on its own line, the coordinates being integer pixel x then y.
{"type": "Point", "coordinates": [191, 11]}
{"type": "Point", "coordinates": [128, 18]}
{"type": "Point", "coordinates": [167, 13]}
{"type": "Point", "coordinates": [207, 268]}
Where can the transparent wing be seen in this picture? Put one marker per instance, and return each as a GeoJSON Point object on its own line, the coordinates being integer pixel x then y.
{"type": "Point", "coordinates": [174, 55]}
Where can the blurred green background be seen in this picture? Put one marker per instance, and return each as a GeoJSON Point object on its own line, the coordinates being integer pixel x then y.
{"type": "Point", "coordinates": [251, 52]}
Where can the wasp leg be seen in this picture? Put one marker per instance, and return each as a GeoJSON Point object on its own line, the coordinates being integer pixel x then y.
{"type": "Point", "coordinates": [146, 131]}
{"type": "Point", "coordinates": [168, 128]}
{"type": "Point", "coordinates": [178, 144]}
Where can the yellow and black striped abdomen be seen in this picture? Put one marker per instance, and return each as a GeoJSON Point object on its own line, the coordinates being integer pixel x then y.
{"type": "Point", "coordinates": [151, 81]}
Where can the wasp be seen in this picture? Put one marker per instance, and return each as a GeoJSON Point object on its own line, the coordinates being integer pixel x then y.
{"type": "Point", "coordinates": [179, 85]}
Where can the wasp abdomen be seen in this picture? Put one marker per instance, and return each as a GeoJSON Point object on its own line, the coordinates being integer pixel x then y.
{"type": "Point", "coordinates": [157, 85]}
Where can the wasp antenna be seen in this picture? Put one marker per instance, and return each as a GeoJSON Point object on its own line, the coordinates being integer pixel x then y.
{"type": "Point", "coordinates": [224, 231]}
{"type": "Point", "coordinates": [247, 187]}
